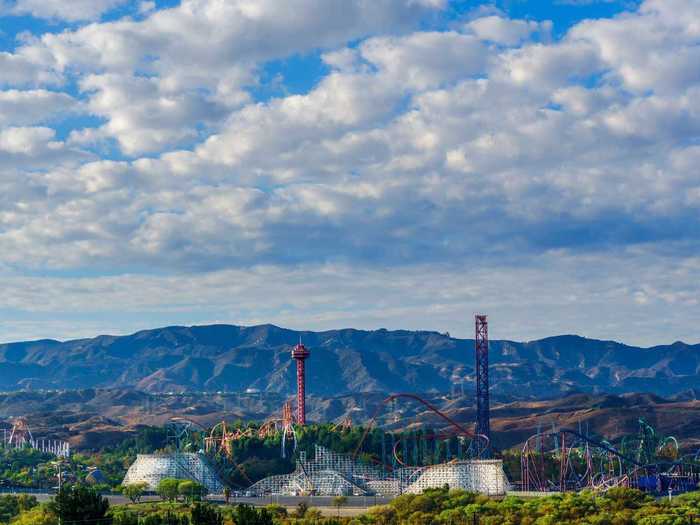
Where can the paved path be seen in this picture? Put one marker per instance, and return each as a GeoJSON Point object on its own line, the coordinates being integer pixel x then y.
{"type": "Point", "coordinates": [354, 502]}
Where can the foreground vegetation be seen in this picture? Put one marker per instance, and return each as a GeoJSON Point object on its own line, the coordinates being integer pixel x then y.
{"type": "Point", "coordinates": [79, 504]}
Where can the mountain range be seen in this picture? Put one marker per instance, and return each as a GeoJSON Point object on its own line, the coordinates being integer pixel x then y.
{"type": "Point", "coordinates": [236, 358]}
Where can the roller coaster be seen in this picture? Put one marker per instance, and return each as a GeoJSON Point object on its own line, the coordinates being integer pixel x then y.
{"type": "Point", "coordinates": [569, 460]}
{"type": "Point", "coordinates": [20, 437]}
{"type": "Point", "coordinates": [562, 459]}
{"type": "Point", "coordinates": [423, 446]}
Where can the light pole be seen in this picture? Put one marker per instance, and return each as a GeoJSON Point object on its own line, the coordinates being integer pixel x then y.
{"type": "Point", "coordinates": [59, 465]}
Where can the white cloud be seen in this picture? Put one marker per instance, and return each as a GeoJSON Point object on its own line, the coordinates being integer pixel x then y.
{"type": "Point", "coordinates": [142, 115]}
{"type": "Point", "coordinates": [201, 55]}
{"type": "Point", "coordinates": [25, 140]}
{"type": "Point", "coordinates": [146, 7]}
{"type": "Point", "coordinates": [34, 106]}
{"type": "Point", "coordinates": [424, 60]}
{"type": "Point", "coordinates": [69, 10]}
{"type": "Point", "coordinates": [505, 31]}
{"type": "Point", "coordinates": [33, 148]}
{"type": "Point", "coordinates": [18, 70]}
{"type": "Point", "coordinates": [470, 147]}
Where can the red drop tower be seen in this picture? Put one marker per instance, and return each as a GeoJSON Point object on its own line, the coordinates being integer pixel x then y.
{"type": "Point", "coordinates": [300, 354]}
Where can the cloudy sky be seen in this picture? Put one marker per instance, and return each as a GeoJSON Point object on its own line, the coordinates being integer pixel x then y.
{"type": "Point", "coordinates": [367, 163]}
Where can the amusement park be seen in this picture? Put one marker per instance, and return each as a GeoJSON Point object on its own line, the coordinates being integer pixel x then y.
{"type": "Point", "coordinates": [405, 445]}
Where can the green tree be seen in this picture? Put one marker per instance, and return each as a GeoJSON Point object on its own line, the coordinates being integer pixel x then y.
{"type": "Point", "coordinates": [621, 498]}
{"type": "Point", "coordinates": [302, 509]}
{"type": "Point", "coordinates": [134, 491]}
{"type": "Point", "coordinates": [36, 516]}
{"type": "Point", "coordinates": [247, 515]}
{"type": "Point", "coordinates": [26, 502]}
{"type": "Point", "coordinates": [313, 515]}
{"type": "Point", "coordinates": [383, 515]}
{"type": "Point", "coordinates": [191, 490]}
{"type": "Point", "coordinates": [125, 518]}
{"type": "Point", "coordinates": [80, 504]}
{"type": "Point", "coordinates": [168, 518]}
{"type": "Point", "coordinates": [277, 511]}
{"type": "Point", "coordinates": [168, 489]}
{"type": "Point", "coordinates": [340, 501]}
{"type": "Point", "coordinates": [205, 514]}
{"type": "Point", "coordinates": [9, 508]}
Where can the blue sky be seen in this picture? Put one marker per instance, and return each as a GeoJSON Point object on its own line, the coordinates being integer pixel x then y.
{"type": "Point", "coordinates": [327, 163]}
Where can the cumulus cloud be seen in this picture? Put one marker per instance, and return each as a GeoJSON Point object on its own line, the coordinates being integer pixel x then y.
{"type": "Point", "coordinates": [31, 148]}
{"type": "Point", "coordinates": [34, 106]}
{"type": "Point", "coordinates": [197, 59]}
{"type": "Point", "coordinates": [142, 115]}
{"type": "Point", "coordinates": [486, 145]}
{"type": "Point", "coordinates": [19, 70]}
{"type": "Point", "coordinates": [505, 31]}
{"type": "Point", "coordinates": [72, 11]}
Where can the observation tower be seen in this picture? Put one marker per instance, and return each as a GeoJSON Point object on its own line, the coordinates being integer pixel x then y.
{"type": "Point", "coordinates": [301, 354]}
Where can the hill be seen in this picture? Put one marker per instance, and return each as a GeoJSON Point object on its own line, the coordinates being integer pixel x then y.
{"type": "Point", "coordinates": [94, 418]}
{"type": "Point", "coordinates": [236, 358]}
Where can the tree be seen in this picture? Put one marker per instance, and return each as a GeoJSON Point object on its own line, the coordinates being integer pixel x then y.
{"type": "Point", "coordinates": [9, 508]}
{"type": "Point", "coordinates": [302, 509]}
{"type": "Point", "coordinates": [227, 494]}
{"type": "Point", "coordinates": [277, 511]}
{"type": "Point", "coordinates": [168, 489]}
{"type": "Point", "coordinates": [191, 490]}
{"type": "Point", "coordinates": [36, 516]}
{"type": "Point", "coordinates": [134, 491]}
{"type": "Point", "coordinates": [167, 519]}
{"type": "Point", "coordinates": [247, 515]}
{"type": "Point", "coordinates": [26, 502]}
{"type": "Point", "coordinates": [383, 515]}
{"type": "Point", "coordinates": [125, 518]}
{"type": "Point", "coordinates": [313, 515]}
{"type": "Point", "coordinates": [339, 501]}
{"type": "Point", "coordinates": [205, 514]}
{"type": "Point", "coordinates": [81, 504]}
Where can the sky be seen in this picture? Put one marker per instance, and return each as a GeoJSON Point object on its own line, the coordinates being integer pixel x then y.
{"type": "Point", "coordinates": [322, 164]}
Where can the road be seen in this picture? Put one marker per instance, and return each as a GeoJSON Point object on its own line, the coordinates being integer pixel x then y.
{"type": "Point", "coordinates": [355, 502]}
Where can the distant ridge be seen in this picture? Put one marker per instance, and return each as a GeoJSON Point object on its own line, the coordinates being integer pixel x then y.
{"type": "Point", "coordinates": [234, 358]}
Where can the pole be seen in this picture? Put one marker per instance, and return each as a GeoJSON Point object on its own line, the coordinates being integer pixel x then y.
{"type": "Point", "coordinates": [60, 485]}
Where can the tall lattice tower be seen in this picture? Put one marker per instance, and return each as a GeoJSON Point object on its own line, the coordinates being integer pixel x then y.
{"type": "Point", "coordinates": [481, 347]}
{"type": "Point", "coordinates": [301, 354]}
